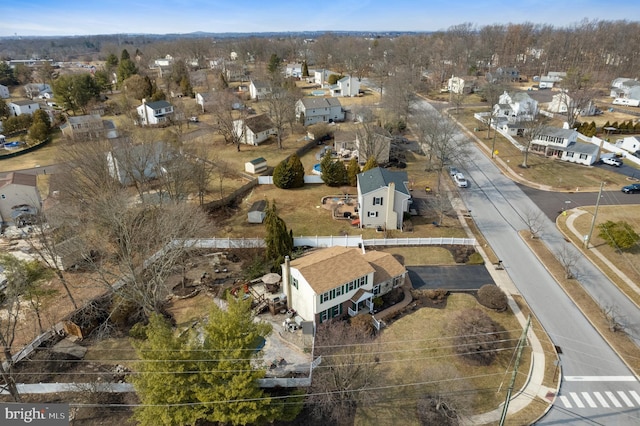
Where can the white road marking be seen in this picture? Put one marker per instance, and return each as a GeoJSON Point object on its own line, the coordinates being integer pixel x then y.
{"type": "Point", "coordinates": [565, 401]}
{"type": "Point", "coordinates": [579, 403]}
{"type": "Point", "coordinates": [601, 399]}
{"type": "Point", "coordinates": [625, 398]}
{"type": "Point", "coordinates": [589, 400]}
{"type": "Point", "coordinates": [635, 396]}
{"type": "Point", "coordinates": [613, 399]}
{"type": "Point", "coordinates": [600, 378]}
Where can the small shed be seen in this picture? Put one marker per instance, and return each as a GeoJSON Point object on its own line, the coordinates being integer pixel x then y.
{"type": "Point", "coordinates": [257, 165]}
{"type": "Point", "coordinates": [257, 212]}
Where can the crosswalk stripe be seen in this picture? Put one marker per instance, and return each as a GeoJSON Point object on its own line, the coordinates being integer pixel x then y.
{"type": "Point", "coordinates": [601, 399]}
{"type": "Point", "coordinates": [613, 399]}
{"type": "Point", "coordinates": [565, 401]}
{"type": "Point", "coordinates": [579, 403]}
{"type": "Point", "coordinates": [635, 396]}
{"type": "Point", "coordinates": [625, 398]}
{"type": "Point", "coordinates": [600, 378]}
{"type": "Point", "coordinates": [589, 400]}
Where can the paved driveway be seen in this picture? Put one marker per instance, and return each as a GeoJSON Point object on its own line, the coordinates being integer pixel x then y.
{"type": "Point", "coordinates": [459, 277]}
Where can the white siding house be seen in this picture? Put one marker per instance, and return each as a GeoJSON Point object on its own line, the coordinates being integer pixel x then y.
{"type": "Point", "coordinates": [356, 278]}
{"type": "Point", "coordinates": [23, 107]}
{"type": "Point", "coordinates": [259, 89]}
{"type": "Point", "coordinates": [318, 110]}
{"type": "Point", "coordinates": [151, 113]}
{"type": "Point", "coordinates": [515, 107]}
{"type": "Point", "coordinates": [383, 198]}
{"type": "Point", "coordinates": [629, 143]}
{"type": "Point", "coordinates": [17, 191]}
{"type": "Point", "coordinates": [346, 86]}
{"type": "Point", "coordinates": [254, 130]}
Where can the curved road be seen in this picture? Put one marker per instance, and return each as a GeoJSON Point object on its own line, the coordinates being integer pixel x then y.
{"type": "Point", "coordinates": [597, 388]}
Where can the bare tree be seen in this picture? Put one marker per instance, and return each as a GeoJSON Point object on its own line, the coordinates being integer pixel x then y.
{"type": "Point", "coordinates": [223, 170]}
{"type": "Point", "coordinates": [533, 128]}
{"type": "Point", "coordinates": [568, 258]}
{"type": "Point", "coordinates": [145, 244]}
{"type": "Point", "coordinates": [281, 104]}
{"type": "Point", "coordinates": [578, 92]}
{"type": "Point", "coordinates": [349, 365]}
{"type": "Point", "coordinates": [372, 139]}
{"type": "Point", "coordinates": [222, 111]}
{"type": "Point", "coordinates": [202, 170]}
{"type": "Point", "coordinates": [440, 139]}
{"type": "Point", "coordinates": [491, 93]}
{"type": "Point", "coordinates": [534, 219]}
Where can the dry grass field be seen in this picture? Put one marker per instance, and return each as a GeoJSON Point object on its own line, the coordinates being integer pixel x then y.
{"type": "Point", "coordinates": [420, 359]}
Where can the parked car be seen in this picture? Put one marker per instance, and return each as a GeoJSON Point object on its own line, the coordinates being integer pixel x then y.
{"type": "Point", "coordinates": [193, 119]}
{"type": "Point", "coordinates": [631, 189]}
{"type": "Point", "coordinates": [460, 180]}
{"type": "Point", "coordinates": [612, 161]}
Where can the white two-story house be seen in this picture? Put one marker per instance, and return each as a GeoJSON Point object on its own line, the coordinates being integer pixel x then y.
{"type": "Point", "coordinates": [151, 113]}
{"type": "Point", "coordinates": [254, 130]}
{"type": "Point", "coordinates": [346, 86]}
{"type": "Point", "coordinates": [355, 279]}
{"type": "Point", "coordinates": [318, 110]}
{"type": "Point", "coordinates": [515, 107]}
{"type": "Point", "coordinates": [383, 198]}
{"type": "Point", "coordinates": [259, 89]}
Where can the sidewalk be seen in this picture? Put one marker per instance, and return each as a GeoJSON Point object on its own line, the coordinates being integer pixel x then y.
{"type": "Point", "coordinates": [533, 387]}
{"type": "Point", "coordinates": [575, 213]}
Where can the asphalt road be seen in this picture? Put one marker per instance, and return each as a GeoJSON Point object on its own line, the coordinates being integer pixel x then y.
{"type": "Point", "coordinates": [597, 387]}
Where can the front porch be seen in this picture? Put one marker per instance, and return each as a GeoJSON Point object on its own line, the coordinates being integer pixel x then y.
{"type": "Point", "coordinates": [361, 302]}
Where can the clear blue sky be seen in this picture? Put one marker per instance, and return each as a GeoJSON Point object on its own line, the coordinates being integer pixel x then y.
{"type": "Point", "coordinates": [72, 17]}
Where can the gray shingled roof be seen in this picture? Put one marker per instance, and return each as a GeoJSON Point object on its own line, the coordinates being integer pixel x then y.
{"type": "Point", "coordinates": [555, 131]}
{"type": "Point", "coordinates": [259, 123]}
{"type": "Point", "coordinates": [582, 148]}
{"type": "Point", "coordinates": [311, 103]}
{"type": "Point", "coordinates": [377, 178]}
{"type": "Point", "coordinates": [158, 104]}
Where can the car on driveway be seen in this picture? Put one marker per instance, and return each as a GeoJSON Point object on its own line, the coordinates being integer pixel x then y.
{"type": "Point", "coordinates": [612, 161]}
{"type": "Point", "coordinates": [631, 189]}
{"type": "Point", "coordinates": [460, 180]}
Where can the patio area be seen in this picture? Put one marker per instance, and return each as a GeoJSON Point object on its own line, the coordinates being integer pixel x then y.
{"type": "Point", "coordinates": [344, 207]}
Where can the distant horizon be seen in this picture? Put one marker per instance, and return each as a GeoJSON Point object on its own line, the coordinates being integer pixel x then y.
{"type": "Point", "coordinates": [73, 18]}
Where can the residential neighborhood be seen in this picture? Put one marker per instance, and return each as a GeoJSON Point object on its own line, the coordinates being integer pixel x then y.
{"type": "Point", "coordinates": [446, 221]}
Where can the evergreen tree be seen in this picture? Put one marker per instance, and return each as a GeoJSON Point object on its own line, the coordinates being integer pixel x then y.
{"type": "Point", "coordinates": [282, 176]}
{"type": "Point", "coordinates": [211, 372]}
{"type": "Point", "coordinates": [279, 240]}
{"type": "Point", "coordinates": [111, 61]}
{"type": "Point", "coordinates": [274, 64]}
{"type": "Point", "coordinates": [289, 173]}
{"type": "Point", "coordinates": [4, 109]}
{"type": "Point", "coordinates": [371, 163]}
{"type": "Point", "coordinates": [7, 77]}
{"type": "Point", "coordinates": [40, 129]}
{"type": "Point", "coordinates": [325, 164]}
{"type": "Point", "coordinates": [161, 352]}
{"type": "Point", "coordinates": [126, 67]}
{"type": "Point", "coordinates": [353, 169]}
{"type": "Point", "coordinates": [230, 339]}
{"type": "Point", "coordinates": [305, 69]}
{"type": "Point", "coordinates": [297, 171]}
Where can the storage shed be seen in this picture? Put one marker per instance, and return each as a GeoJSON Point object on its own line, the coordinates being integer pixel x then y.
{"type": "Point", "coordinates": [257, 165]}
{"type": "Point", "coordinates": [257, 212]}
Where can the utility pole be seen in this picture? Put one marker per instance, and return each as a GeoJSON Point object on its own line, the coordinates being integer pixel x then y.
{"type": "Point", "coordinates": [595, 214]}
{"type": "Point", "coordinates": [493, 144]}
{"type": "Point", "coordinates": [520, 347]}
